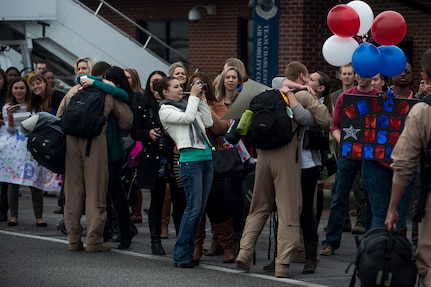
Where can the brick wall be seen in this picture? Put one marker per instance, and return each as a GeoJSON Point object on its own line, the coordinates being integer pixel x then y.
{"type": "Point", "coordinates": [303, 29]}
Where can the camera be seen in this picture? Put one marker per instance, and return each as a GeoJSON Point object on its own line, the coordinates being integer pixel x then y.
{"type": "Point", "coordinates": [204, 86]}
{"type": "Point", "coordinates": [162, 141]}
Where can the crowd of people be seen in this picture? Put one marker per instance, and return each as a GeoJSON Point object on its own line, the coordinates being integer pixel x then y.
{"type": "Point", "coordinates": [176, 123]}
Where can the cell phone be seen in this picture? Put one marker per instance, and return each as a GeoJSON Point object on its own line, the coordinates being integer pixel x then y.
{"type": "Point", "coordinates": [16, 107]}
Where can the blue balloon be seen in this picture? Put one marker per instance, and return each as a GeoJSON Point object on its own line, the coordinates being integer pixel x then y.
{"type": "Point", "coordinates": [366, 60]}
{"type": "Point", "coordinates": [393, 60]}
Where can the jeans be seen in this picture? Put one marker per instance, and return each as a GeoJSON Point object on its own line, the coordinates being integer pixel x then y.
{"type": "Point", "coordinates": [347, 170]}
{"type": "Point", "coordinates": [197, 178]}
{"type": "Point", "coordinates": [377, 180]}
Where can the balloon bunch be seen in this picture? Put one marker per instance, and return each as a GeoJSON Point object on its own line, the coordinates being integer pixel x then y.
{"type": "Point", "coordinates": [356, 18]}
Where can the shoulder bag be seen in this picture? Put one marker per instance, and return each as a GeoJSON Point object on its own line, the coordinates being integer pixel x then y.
{"type": "Point", "coordinates": [227, 162]}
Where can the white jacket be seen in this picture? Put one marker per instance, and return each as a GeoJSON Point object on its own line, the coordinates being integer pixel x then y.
{"type": "Point", "coordinates": [177, 122]}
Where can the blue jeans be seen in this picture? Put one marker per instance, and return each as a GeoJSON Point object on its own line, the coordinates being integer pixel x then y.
{"type": "Point", "coordinates": [197, 178]}
{"type": "Point", "coordinates": [346, 173]}
{"type": "Point", "coordinates": [377, 181]}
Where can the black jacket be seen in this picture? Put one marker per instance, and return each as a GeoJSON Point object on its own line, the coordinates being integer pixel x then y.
{"type": "Point", "coordinates": [145, 118]}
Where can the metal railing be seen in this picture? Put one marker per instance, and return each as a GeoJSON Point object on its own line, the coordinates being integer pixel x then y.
{"type": "Point", "coordinates": [151, 38]}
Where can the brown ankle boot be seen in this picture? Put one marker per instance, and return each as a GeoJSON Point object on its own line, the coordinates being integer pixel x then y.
{"type": "Point", "coordinates": [224, 234]}
{"type": "Point", "coordinates": [199, 242]}
{"type": "Point", "coordinates": [215, 248]}
{"type": "Point", "coordinates": [137, 207]}
{"type": "Point", "coordinates": [166, 214]}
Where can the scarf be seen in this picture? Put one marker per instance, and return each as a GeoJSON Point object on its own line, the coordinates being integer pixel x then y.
{"type": "Point", "coordinates": [195, 133]}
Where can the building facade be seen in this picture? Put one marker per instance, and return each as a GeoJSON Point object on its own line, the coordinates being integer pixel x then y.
{"type": "Point", "coordinates": [302, 32]}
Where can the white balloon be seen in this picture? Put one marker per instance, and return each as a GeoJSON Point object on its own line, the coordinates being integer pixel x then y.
{"type": "Point", "coordinates": [366, 16]}
{"type": "Point", "coordinates": [338, 51]}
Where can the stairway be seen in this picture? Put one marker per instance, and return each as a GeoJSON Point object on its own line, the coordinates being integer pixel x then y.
{"type": "Point", "coordinates": [60, 31]}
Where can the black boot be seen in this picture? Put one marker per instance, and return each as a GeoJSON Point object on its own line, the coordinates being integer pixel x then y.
{"type": "Point", "coordinates": [310, 255]}
{"type": "Point", "coordinates": [126, 239]}
{"type": "Point", "coordinates": [155, 223]}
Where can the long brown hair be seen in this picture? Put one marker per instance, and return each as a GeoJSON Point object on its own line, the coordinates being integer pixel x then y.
{"type": "Point", "coordinates": [220, 88]}
{"type": "Point", "coordinates": [136, 82]}
{"type": "Point", "coordinates": [210, 91]}
{"type": "Point", "coordinates": [11, 100]}
{"type": "Point", "coordinates": [40, 102]}
{"type": "Point", "coordinates": [325, 81]}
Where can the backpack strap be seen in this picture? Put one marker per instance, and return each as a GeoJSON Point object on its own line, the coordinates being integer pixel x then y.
{"type": "Point", "coordinates": [354, 275]}
{"type": "Point", "coordinates": [286, 100]}
{"type": "Point", "coordinates": [387, 276]}
{"type": "Point", "coordinates": [290, 114]}
{"type": "Point", "coordinates": [355, 271]}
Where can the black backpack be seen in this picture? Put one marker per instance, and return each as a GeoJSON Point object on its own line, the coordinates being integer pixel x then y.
{"type": "Point", "coordinates": [47, 144]}
{"type": "Point", "coordinates": [84, 115]}
{"type": "Point", "coordinates": [272, 125]}
{"type": "Point", "coordinates": [384, 258]}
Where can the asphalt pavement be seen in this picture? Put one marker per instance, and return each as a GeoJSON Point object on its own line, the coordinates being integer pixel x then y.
{"type": "Point", "coordinates": [331, 270]}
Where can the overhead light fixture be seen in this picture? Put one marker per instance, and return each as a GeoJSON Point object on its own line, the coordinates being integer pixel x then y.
{"type": "Point", "coordinates": [195, 15]}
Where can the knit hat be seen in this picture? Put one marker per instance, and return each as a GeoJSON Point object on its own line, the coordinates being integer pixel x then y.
{"type": "Point", "coordinates": [27, 125]}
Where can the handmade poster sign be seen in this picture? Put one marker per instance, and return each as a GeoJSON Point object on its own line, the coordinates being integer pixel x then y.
{"type": "Point", "coordinates": [17, 165]}
{"type": "Point", "coordinates": [371, 125]}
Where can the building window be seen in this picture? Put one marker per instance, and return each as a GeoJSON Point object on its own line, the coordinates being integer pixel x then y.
{"type": "Point", "coordinates": [173, 33]}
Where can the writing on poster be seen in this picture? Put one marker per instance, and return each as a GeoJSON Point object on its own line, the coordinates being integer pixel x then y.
{"type": "Point", "coordinates": [19, 167]}
{"type": "Point", "coordinates": [371, 125]}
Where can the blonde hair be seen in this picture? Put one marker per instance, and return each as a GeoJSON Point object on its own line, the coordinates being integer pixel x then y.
{"type": "Point", "coordinates": [235, 62]}
{"type": "Point", "coordinates": [88, 60]}
{"type": "Point", "coordinates": [220, 88]}
{"type": "Point", "coordinates": [172, 68]}
{"type": "Point", "coordinates": [175, 65]}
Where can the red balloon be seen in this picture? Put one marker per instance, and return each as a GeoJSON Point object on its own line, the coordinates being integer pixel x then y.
{"type": "Point", "coordinates": [389, 28]}
{"type": "Point", "coordinates": [343, 21]}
